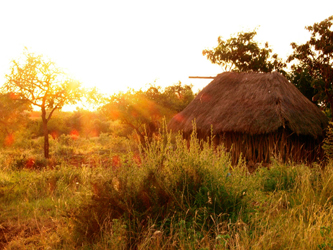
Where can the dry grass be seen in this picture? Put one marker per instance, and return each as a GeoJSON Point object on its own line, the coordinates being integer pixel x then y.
{"type": "Point", "coordinates": [179, 206]}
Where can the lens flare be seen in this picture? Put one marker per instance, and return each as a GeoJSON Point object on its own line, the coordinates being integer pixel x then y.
{"type": "Point", "coordinates": [74, 134]}
{"type": "Point", "coordinates": [9, 140]}
{"type": "Point", "coordinates": [179, 118]}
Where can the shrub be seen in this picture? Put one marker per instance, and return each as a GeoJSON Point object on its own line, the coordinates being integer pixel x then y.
{"type": "Point", "coordinates": [66, 140]}
{"type": "Point", "coordinates": [173, 183]}
{"type": "Point", "coordinates": [64, 151]}
{"type": "Point", "coordinates": [278, 177]}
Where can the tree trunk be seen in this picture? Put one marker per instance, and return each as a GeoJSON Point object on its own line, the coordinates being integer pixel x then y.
{"type": "Point", "coordinates": [46, 135]}
{"type": "Point", "coordinates": [46, 140]}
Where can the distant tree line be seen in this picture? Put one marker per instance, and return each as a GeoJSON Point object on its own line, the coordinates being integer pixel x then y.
{"type": "Point", "coordinates": [36, 82]}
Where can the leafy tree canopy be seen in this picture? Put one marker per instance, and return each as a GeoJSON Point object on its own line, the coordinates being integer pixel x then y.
{"type": "Point", "coordinates": [315, 59]}
{"type": "Point", "coordinates": [143, 110]}
{"type": "Point", "coordinates": [42, 84]}
{"type": "Point", "coordinates": [241, 53]}
{"type": "Point", "coordinates": [302, 79]}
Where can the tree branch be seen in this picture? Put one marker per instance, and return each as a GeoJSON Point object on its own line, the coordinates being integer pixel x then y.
{"type": "Point", "coordinates": [50, 115]}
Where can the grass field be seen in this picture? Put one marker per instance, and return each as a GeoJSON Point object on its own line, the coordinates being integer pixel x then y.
{"type": "Point", "coordinates": [111, 193]}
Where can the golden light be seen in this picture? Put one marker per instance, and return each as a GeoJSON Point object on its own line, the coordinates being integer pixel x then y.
{"type": "Point", "coordinates": [14, 96]}
{"type": "Point", "coordinates": [114, 45]}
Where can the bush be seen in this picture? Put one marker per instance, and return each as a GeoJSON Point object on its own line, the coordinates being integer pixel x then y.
{"type": "Point", "coordinates": [278, 177]}
{"type": "Point", "coordinates": [66, 140]}
{"type": "Point", "coordinates": [171, 185]}
{"type": "Point", "coordinates": [64, 151]}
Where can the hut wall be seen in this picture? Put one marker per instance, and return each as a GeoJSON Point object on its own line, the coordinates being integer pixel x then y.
{"type": "Point", "coordinates": [283, 145]}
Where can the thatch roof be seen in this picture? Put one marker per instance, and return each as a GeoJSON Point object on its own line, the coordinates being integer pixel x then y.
{"type": "Point", "coordinates": [251, 103]}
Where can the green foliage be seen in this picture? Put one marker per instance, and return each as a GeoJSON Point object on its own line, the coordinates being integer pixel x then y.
{"type": "Point", "coordinates": [87, 123]}
{"type": "Point", "coordinates": [312, 73]}
{"type": "Point", "coordinates": [56, 126]}
{"type": "Point", "coordinates": [170, 194]}
{"type": "Point", "coordinates": [20, 161]}
{"type": "Point", "coordinates": [84, 123]}
{"type": "Point", "coordinates": [303, 80]}
{"type": "Point", "coordinates": [315, 59]}
{"type": "Point", "coordinates": [174, 97]}
{"type": "Point", "coordinates": [64, 151]}
{"type": "Point", "coordinates": [143, 111]}
{"type": "Point", "coordinates": [328, 241]}
{"type": "Point", "coordinates": [277, 178]}
{"type": "Point", "coordinates": [242, 53]}
{"type": "Point", "coordinates": [181, 183]}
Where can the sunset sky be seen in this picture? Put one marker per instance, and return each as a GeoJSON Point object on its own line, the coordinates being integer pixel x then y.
{"type": "Point", "coordinates": [114, 45]}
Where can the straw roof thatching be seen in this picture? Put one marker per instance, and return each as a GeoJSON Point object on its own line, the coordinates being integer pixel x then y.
{"type": "Point", "coordinates": [253, 104]}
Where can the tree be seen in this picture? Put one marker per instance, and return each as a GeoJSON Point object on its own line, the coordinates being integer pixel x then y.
{"type": "Point", "coordinates": [12, 113]}
{"type": "Point", "coordinates": [135, 110]}
{"type": "Point", "coordinates": [243, 54]}
{"type": "Point", "coordinates": [176, 97]}
{"type": "Point", "coordinates": [302, 79]}
{"type": "Point", "coordinates": [316, 57]}
{"type": "Point", "coordinates": [143, 110]}
{"type": "Point", "coordinates": [88, 123]}
{"type": "Point", "coordinates": [39, 82]}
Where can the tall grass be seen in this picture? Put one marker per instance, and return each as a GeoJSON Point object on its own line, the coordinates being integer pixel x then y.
{"type": "Point", "coordinates": [177, 191]}
{"type": "Point", "coordinates": [168, 194]}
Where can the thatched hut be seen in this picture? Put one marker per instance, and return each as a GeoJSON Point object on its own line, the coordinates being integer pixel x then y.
{"type": "Point", "coordinates": [258, 115]}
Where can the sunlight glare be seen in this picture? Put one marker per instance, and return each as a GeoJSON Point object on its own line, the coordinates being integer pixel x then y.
{"type": "Point", "coordinates": [119, 45]}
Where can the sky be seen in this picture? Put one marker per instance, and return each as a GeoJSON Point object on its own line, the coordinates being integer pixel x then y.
{"type": "Point", "coordinates": [114, 45]}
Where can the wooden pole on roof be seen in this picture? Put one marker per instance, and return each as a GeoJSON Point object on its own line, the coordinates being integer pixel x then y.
{"type": "Point", "coordinates": [202, 77]}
